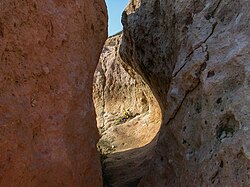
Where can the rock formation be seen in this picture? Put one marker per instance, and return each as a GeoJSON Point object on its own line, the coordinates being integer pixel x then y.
{"type": "Point", "coordinates": [184, 64]}
{"type": "Point", "coordinates": [194, 55]}
{"type": "Point", "coordinates": [128, 115]}
{"type": "Point", "coordinates": [49, 51]}
{"type": "Point", "coordinates": [121, 100]}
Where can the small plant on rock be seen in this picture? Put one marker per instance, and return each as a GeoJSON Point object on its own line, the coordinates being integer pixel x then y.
{"type": "Point", "coordinates": [125, 117]}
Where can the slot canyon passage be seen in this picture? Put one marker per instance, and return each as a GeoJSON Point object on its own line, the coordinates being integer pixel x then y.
{"type": "Point", "coordinates": [171, 94]}
{"type": "Point", "coordinates": [128, 118]}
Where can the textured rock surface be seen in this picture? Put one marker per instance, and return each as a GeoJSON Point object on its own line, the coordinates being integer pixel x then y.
{"type": "Point", "coordinates": [194, 55]}
{"type": "Point", "coordinates": [49, 50]}
{"type": "Point", "coordinates": [117, 88]}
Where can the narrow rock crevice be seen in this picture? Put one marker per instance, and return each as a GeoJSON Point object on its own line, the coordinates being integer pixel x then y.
{"type": "Point", "coordinates": [128, 118]}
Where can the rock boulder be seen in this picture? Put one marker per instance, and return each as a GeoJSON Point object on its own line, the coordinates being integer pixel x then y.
{"type": "Point", "coordinates": [194, 55]}
{"type": "Point", "coordinates": [49, 51]}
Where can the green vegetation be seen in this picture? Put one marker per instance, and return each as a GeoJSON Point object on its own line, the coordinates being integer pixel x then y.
{"type": "Point", "coordinates": [125, 117]}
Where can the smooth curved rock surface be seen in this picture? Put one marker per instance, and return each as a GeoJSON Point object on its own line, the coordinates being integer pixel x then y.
{"type": "Point", "coordinates": [194, 55]}
{"type": "Point", "coordinates": [49, 51]}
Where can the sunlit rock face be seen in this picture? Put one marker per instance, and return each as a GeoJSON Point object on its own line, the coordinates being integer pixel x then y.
{"type": "Point", "coordinates": [49, 51]}
{"type": "Point", "coordinates": [194, 55]}
{"type": "Point", "coordinates": [128, 116]}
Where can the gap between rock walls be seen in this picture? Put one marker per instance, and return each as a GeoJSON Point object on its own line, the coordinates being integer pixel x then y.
{"type": "Point", "coordinates": [182, 65]}
{"type": "Point", "coordinates": [170, 94]}
{"type": "Point", "coordinates": [128, 117]}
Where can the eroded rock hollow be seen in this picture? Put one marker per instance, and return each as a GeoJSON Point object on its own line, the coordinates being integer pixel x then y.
{"type": "Point", "coordinates": [126, 109]}
{"type": "Point", "coordinates": [128, 117]}
{"type": "Point", "coordinates": [49, 51]}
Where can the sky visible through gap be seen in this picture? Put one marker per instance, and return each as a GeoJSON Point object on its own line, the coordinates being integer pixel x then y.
{"type": "Point", "coordinates": [115, 9]}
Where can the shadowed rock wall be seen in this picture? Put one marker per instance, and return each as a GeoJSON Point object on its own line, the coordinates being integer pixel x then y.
{"type": "Point", "coordinates": [49, 51]}
{"type": "Point", "coordinates": [194, 55]}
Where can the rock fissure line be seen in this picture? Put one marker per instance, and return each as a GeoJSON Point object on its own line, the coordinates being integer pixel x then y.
{"type": "Point", "coordinates": [181, 103]}
{"type": "Point", "coordinates": [201, 69]}
{"type": "Point", "coordinates": [192, 52]}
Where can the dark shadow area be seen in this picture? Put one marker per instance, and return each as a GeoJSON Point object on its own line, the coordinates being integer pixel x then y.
{"type": "Point", "coordinates": [125, 169]}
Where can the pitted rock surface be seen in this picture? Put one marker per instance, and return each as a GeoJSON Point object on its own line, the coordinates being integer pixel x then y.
{"type": "Point", "coordinates": [49, 51]}
{"type": "Point", "coordinates": [194, 55]}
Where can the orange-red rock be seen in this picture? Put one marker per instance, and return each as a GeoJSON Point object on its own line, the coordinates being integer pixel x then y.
{"type": "Point", "coordinates": [48, 52]}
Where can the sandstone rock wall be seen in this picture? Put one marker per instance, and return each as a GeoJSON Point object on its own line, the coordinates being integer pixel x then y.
{"type": "Point", "coordinates": [115, 90]}
{"type": "Point", "coordinates": [128, 117]}
{"type": "Point", "coordinates": [194, 55]}
{"type": "Point", "coordinates": [49, 51]}
{"type": "Point", "coordinates": [126, 109]}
